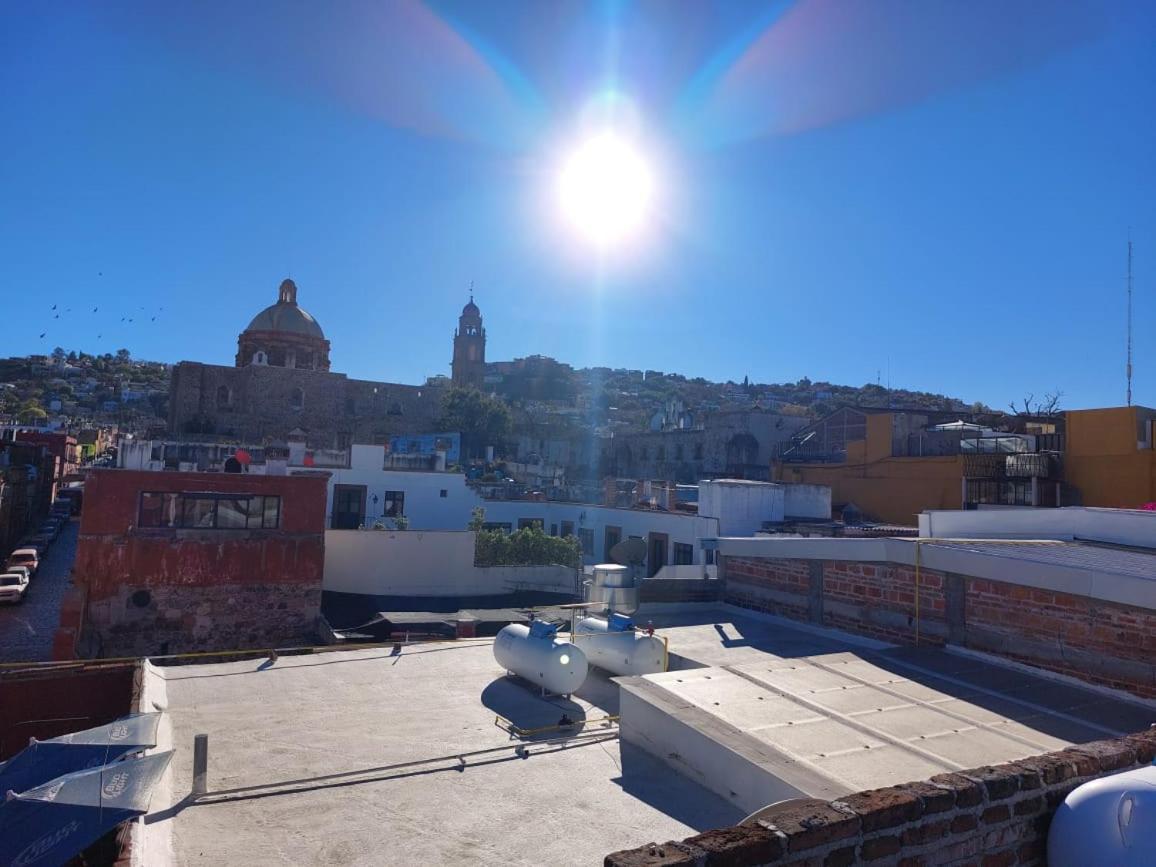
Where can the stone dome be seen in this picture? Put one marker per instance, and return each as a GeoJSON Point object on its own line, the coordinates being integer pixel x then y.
{"type": "Point", "coordinates": [285, 316]}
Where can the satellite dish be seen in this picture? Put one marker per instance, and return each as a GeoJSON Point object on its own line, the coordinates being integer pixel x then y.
{"type": "Point", "coordinates": [629, 552]}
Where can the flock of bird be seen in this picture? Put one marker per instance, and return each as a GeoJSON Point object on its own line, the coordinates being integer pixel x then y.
{"type": "Point", "coordinates": [142, 313]}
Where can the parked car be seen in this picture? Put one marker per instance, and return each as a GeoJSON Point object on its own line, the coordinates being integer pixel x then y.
{"type": "Point", "coordinates": [49, 528]}
{"type": "Point", "coordinates": [25, 557]}
{"type": "Point", "coordinates": [38, 545]}
{"type": "Point", "coordinates": [40, 538]}
{"type": "Point", "coordinates": [19, 570]}
{"type": "Point", "coordinates": [13, 587]}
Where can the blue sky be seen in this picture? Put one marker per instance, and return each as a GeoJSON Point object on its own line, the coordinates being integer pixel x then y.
{"type": "Point", "coordinates": [940, 190]}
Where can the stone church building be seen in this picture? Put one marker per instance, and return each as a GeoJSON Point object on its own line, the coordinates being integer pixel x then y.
{"type": "Point", "coordinates": [281, 384]}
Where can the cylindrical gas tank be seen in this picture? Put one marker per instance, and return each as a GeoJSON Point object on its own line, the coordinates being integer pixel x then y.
{"type": "Point", "coordinates": [537, 654]}
{"type": "Point", "coordinates": [614, 587]}
{"type": "Point", "coordinates": [617, 648]}
{"type": "Point", "coordinates": [1111, 820]}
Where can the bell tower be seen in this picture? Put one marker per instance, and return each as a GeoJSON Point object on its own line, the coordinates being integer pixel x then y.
{"type": "Point", "coordinates": [469, 364]}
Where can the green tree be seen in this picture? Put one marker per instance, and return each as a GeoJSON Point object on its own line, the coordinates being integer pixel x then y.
{"type": "Point", "coordinates": [477, 519]}
{"type": "Point", "coordinates": [481, 419]}
{"type": "Point", "coordinates": [123, 355]}
{"type": "Point", "coordinates": [31, 412]}
{"type": "Point", "coordinates": [527, 547]}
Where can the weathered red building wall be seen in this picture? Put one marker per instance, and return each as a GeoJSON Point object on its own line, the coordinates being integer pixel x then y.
{"type": "Point", "coordinates": [151, 591]}
{"type": "Point", "coordinates": [50, 704]}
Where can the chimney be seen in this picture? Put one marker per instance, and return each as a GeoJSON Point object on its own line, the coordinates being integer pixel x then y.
{"type": "Point", "coordinates": [610, 491]}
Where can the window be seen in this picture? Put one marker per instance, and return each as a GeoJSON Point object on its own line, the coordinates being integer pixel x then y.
{"type": "Point", "coordinates": [678, 453]}
{"type": "Point", "coordinates": [393, 504]}
{"type": "Point", "coordinates": [553, 529]}
{"type": "Point", "coordinates": [698, 451]}
{"type": "Point", "coordinates": [661, 453]}
{"type": "Point", "coordinates": [708, 556]}
{"type": "Point", "coordinates": [297, 399]}
{"type": "Point", "coordinates": [526, 523]}
{"type": "Point", "coordinates": [683, 554]}
{"type": "Point", "coordinates": [613, 537]}
{"type": "Point", "coordinates": [505, 526]}
{"type": "Point", "coordinates": [586, 537]}
{"type": "Point", "coordinates": [567, 528]}
{"type": "Point", "coordinates": [350, 406]}
{"type": "Point", "coordinates": [443, 493]}
{"type": "Point", "coordinates": [224, 398]}
{"type": "Point", "coordinates": [209, 511]}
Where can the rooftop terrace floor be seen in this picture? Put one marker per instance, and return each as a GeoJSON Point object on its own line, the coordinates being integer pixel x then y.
{"type": "Point", "coordinates": [278, 732]}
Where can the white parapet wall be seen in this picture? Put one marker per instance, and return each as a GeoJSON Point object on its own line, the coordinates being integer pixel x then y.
{"type": "Point", "coordinates": [1115, 526]}
{"type": "Point", "coordinates": [426, 563]}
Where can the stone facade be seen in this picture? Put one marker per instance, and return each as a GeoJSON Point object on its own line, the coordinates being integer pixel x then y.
{"type": "Point", "coordinates": [281, 384]}
{"type": "Point", "coordinates": [731, 444]}
{"type": "Point", "coordinates": [469, 362]}
{"type": "Point", "coordinates": [256, 404]}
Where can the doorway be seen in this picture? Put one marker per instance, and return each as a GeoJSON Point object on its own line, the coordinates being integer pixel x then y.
{"type": "Point", "coordinates": [348, 507]}
{"type": "Point", "coordinates": [656, 547]}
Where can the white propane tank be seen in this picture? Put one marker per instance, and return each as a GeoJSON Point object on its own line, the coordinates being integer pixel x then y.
{"type": "Point", "coordinates": [613, 645]}
{"type": "Point", "coordinates": [1107, 821]}
{"type": "Point", "coordinates": [536, 653]}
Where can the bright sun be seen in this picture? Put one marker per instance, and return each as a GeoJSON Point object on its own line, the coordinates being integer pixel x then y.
{"type": "Point", "coordinates": [605, 189]}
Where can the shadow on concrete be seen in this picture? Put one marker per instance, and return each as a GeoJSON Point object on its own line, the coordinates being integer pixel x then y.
{"type": "Point", "coordinates": [519, 701]}
{"type": "Point", "coordinates": [335, 657]}
{"type": "Point", "coordinates": [383, 773]}
{"type": "Point", "coordinates": [649, 780]}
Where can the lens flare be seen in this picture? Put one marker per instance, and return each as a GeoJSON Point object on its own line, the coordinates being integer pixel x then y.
{"type": "Point", "coordinates": [605, 189]}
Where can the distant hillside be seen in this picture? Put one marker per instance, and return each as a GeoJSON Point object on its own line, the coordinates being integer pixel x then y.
{"type": "Point", "coordinates": [82, 388]}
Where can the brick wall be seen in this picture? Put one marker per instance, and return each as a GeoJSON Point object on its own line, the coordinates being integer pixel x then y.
{"type": "Point", "coordinates": [776, 586]}
{"type": "Point", "coordinates": [157, 591]}
{"type": "Point", "coordinates": [997, 815]}
{"type": "Point", "coordinates": [680, 590]}
{"type": "Point", "coordinates": [1100, 642]}
{"type": "Point", "coordinates": [1104, 642]}
{"type": "Point", "coordinates": [878, 599]}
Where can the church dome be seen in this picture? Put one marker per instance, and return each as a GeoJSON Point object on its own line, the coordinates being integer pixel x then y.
{"type": "Point", "coordinates": [471, 309]}
{"type": "Point", "coordinates": [285, 316]}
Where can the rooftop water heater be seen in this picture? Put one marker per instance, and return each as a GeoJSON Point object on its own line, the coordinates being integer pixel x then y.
{"type": "Point", "coordinates": [1111, 820]}
{"type": "Point", "coordinates": [537, 654]}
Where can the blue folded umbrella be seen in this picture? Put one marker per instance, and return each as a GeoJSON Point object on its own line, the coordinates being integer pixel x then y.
{"type": "Point", "coordinates": [51, 823]}
{"type": "Point", "coordinates": [42, 761]}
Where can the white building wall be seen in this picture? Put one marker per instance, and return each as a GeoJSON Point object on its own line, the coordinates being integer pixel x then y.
{"type": "Point", "coordinates": [1116, 526]}
{"type": "Point", "coordinates": [425, 506]}
{"type": "Point", "coordinates": [807, 501]}
{"type": "Point", "coordinates": [686, 529]}
{"type": "Point", "coordinates": [741, 507]}
{"type": "Point", "coordinates": [415, 563]}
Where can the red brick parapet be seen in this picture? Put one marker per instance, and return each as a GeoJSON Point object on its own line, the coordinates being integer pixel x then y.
{"type": "Point", "coordinates": [999, 814]}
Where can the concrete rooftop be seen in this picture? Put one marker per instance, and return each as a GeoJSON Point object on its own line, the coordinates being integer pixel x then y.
{"type": "Point", "coordinates": [840, 714]}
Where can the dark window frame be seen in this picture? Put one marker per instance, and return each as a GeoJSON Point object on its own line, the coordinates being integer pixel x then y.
{"type": "Point", "coordinates": [393, 504]}
{"type": "Point", "coordinates": [683, 554]}
{"type": "Point", "coordinates": [177, 510]}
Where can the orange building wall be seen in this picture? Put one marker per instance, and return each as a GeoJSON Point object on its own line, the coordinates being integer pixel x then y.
{"type": "Point", "coordinates": [1102, 458]}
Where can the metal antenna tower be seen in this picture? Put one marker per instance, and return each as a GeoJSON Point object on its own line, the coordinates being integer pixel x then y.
{"type": "Point", "coordinates": [1129, 367]}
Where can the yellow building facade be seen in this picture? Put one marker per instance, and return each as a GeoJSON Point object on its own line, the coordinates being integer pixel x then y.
{"type": "Point", "coordinates": [1108, 460]}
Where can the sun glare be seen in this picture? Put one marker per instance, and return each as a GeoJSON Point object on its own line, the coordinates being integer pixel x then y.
{"type": "Point", "coordinates": [605, 189]}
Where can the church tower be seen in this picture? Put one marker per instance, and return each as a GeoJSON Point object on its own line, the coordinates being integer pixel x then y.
{"type": "Point", "coordinates": [469, 364]}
